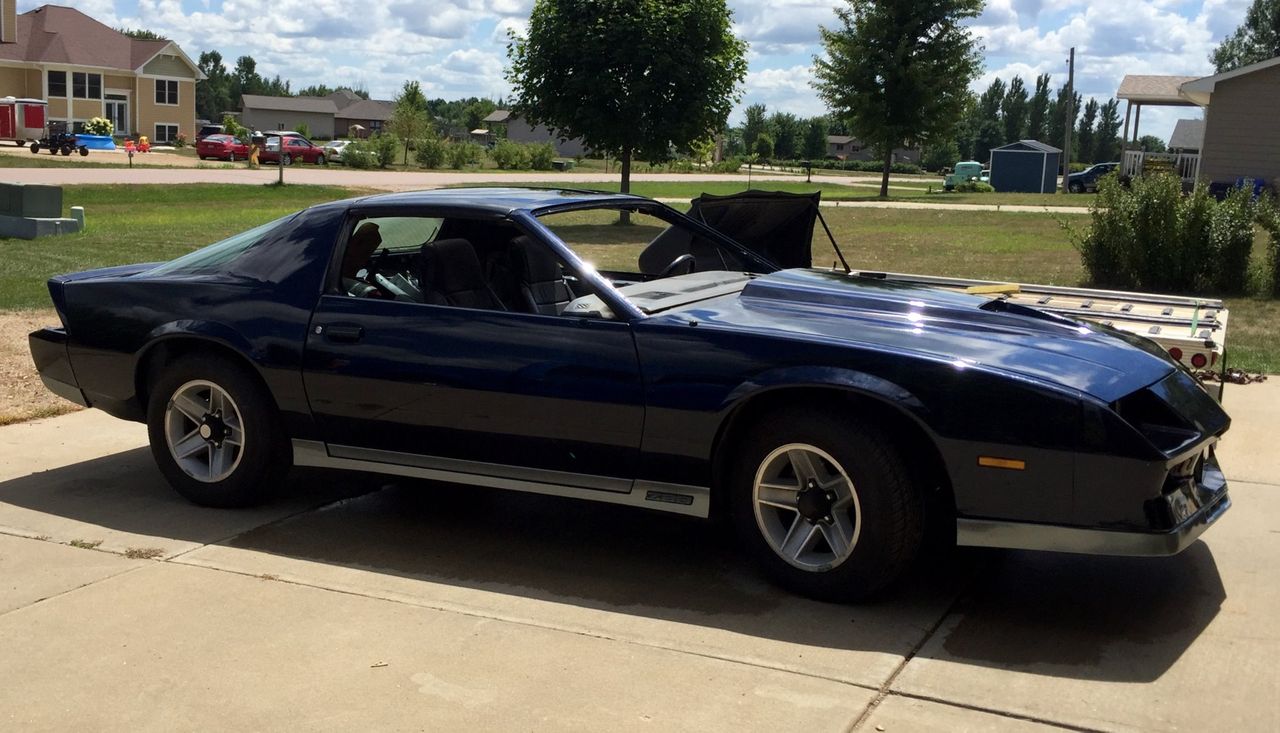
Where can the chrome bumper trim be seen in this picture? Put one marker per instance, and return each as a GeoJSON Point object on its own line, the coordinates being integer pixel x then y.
{"type": "Point", "coordinates": [1053, 538]}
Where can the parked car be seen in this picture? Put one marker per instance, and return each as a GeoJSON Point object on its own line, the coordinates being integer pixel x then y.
{"type": "Point", "coordinates": [207, 130]}
{"type": "Point", "coordinates": [1087, 179]}
{"type": "Point", "coordinates": [333, 149]}
{"type": "Point", "coordinates": [453, 335]}
{"type": "Point", "coordinates": [221, 147]}
{"type": "Point", "coordinates": [296, 148]}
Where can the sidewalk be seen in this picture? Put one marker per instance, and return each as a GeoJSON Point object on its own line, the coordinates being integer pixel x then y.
{"type": "Point", "coordinates": [351, 603]}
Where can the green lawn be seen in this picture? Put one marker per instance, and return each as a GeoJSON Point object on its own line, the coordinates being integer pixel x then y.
{"type": "Point", "coordinates": [148, 223]}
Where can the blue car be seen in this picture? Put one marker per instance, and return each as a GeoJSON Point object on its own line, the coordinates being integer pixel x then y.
{"type": "Point", "coordinates": [608, 348]}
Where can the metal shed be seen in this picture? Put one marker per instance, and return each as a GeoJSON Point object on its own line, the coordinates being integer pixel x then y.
{"type": "Point", "coordinates": [1027, 166]}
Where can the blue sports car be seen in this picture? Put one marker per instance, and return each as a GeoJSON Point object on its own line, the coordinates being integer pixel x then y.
{"type": "Point", "coordinates": [609, 348]}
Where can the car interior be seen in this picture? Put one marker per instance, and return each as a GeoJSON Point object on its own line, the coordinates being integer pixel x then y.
{"type": "Point", "coordinates": [493, 265]}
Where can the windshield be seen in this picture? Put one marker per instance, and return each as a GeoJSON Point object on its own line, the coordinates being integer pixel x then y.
{"type": "Point", "coordinates": [219, 254]}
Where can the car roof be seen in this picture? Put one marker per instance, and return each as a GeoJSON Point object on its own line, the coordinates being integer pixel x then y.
{"type": "Point", "coordinates": [499, 200]}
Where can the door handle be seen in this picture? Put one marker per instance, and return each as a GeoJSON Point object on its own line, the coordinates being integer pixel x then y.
{"type": "Point", "coordinates": [344, 333]}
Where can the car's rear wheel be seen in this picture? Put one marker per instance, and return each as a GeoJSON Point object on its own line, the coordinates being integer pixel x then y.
{"type": "Point", "coordinates": [320, 160]}
{"type": "Point", "coordinates": [1076, 187]}
{"type": "Point", "coordinates": [215, 433]}
{"type": "Point", "coordinates": [825, 506]}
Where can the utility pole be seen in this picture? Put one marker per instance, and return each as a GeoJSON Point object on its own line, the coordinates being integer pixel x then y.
{"type": "Point", "coordinates": [1071, 117]}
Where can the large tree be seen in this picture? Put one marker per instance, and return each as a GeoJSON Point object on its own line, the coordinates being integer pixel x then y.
{"type": "Point", "coordinates": [785, 128]}
{"type": "Point", "coordinates": [1058, 121]}
{"type": "Point", "coordinates": [899, 70]}
{"type": "Point", "coordinates": [1106, 146]}
{"type": "Point", "coordinates": [755, 122]}
{"type": "Point", "coordinates": [815, 138]}
{"type": "Point", "coordinates": [1038, 112]}
{"type": "Point", "coordinates": [409, 120]}
{"type": "Point", "coordinates": [988, 125]}
{"type": "Point", "coordinates": [1014, 109]}
{"type": "Point", "coordinates": [1086, 134]}
{"type": "Point", "coordinates": [1258, 39]}
{"type": "Point", "coordinates": [630, 77]}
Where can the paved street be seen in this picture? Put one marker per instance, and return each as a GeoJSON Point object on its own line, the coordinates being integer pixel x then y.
{"type": "Point", "coordinates": [350, 603]}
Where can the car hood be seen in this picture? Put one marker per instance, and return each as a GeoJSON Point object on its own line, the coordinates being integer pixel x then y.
{"type": "Point", "coordinates": [940, 324]}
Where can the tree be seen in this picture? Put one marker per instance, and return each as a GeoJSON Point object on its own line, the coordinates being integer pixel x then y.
{"type": "Point", "coordinates": [763, 147]}
{"type": "Point", "coordinates": [1086, 135]}
{"type": "Point", "coordinates": [1258, 39]}
{"type": "Point", "coordinates": [785, 128]}
{"type": "Point", "coordinates": [142, 34]}
{"type": "Point", "coordinates": [988, 128]}
{"type": "Point", "coordinates": [937, 157]}
{"type": "Point", "coordinates": [1014, 109]}
{"type": "Point", "coordinates": [815, 138]}
{"type": "Point", "coordinates": [754, 124]}
{"type": "Point", "coordinates": [1107, 144]}
{"type": "Point", "coordinates": [639, 78]}
{"type": "Point", "coordinates": [1058, 115]}
{"type": "Point", "coordinates": [213, 93]}
{"type": "Point", "coordinates": [1038, 110]}
{"type": "Point", "coordinates": [409, 120]}
{"type": "Point", "coordinates": [1151, 144]}
{"type": "Point", "coordinates": [899, 71]}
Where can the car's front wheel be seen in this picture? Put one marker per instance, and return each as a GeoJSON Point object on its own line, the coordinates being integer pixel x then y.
{"type": "Point", "coordinates": [825, 505]}
{"type": "Point", "coordinates": [215, 433]}
{"type": "Point", "coordinates": [1076, 187]}
{"type": "Point", "coordinates": [286, 159]}
{"type": "Point", "coordinates": [320, 160]}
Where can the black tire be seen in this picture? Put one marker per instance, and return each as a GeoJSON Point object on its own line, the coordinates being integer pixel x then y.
{"type": "Point", "coordinates": [66, 150]}
{"type": "Point", "coordinates": [1076, 187]}
{"type": "Point", "coordinates": [265, 456]}
{"type": "Point", "coordinates": [35, 147]}
{"type": "Point", "coordinates": [286, 159]}
{"type": "Point", "coordinates": [83, 151]}
{"type": "Point", "coordinates": [889, 521]}
{"type": "Point", "coordinates": [321, 161]}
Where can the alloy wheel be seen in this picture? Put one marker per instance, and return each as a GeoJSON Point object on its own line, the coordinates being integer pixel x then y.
{"type": "Point", "coordinates": [806, 507]}
{"type": "Point", "coordinates": [204, 431]}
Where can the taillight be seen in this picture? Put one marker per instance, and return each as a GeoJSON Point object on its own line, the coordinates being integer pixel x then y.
{"type": "Point", "coordinates": [1198, 360]}
{"type": "Point", "coordinates": [1176, 353]}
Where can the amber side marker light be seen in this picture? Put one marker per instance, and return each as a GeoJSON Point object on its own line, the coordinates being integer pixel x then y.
{"type": "Point", "coordinates": [1009, 463]}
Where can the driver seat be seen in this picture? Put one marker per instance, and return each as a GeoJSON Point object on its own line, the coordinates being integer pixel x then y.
{"type": "Point", "coordinates": [449, 274]}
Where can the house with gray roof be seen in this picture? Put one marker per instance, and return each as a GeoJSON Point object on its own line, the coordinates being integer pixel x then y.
{"type": "Point", "coordinates": [259, 112]}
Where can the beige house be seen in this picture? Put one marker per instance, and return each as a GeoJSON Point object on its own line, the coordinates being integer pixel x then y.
{"type": "Point", "coordinates": [1239, 137]}
{"type": "Point", "coordinates": [520, 131]}
{"type": "Point", "coordinates": [86, 69]}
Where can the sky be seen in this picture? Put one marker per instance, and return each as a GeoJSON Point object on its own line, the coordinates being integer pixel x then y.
{"type": "Point", "coordinates": [458, 49]}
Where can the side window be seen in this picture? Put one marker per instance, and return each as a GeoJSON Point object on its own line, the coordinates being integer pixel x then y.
{"type": "Point", "coordinates": [646, 248]}
{"type": "Point", "coordinates": [463, 263]}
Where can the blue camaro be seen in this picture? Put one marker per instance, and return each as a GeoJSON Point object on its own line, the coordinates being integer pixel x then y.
{"type": "Point", "coordinates": [609, 348]}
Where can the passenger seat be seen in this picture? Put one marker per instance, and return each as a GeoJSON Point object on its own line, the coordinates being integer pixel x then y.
{"type": "Point", "coordinates": [542, 287]}
{"type": "Point", "coordinates": [449, 274]}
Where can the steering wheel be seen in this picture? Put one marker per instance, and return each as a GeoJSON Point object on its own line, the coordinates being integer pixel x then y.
{"type": "Point", "coordinates": [686, 261]}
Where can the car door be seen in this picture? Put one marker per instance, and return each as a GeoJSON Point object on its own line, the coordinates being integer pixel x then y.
{"type": "Point", "coordinates": [535, 397]}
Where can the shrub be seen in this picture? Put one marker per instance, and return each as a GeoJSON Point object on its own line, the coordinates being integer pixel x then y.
{"type": "Point", "coordinates": [1149, 236]}
{"type": "Point", "coordinates": [974, 187]}
{"type": "Point", "coordinates": [462, 155]}
{"type": "Point", "coordinates": [180, 141]}
{"type": "Point", "coordinates": [99, 126]}
{"type": "Point", "coordinates": [359, 154]}
{"type": "Point", "coordinates": [233, 128]}
{"type": "Point", "coordinates": [303, 129]}
{"type": "Point", "coordinates": [1269, 220]}
{"type": "Point", "coordinates": [728, 165]}
{"type": "Point", "coordinates": [430, 152]}
{"type": "Point", "coordinates": [541, 156]}
{"type": "Point", "coordinates": [508, 155]}
{"type": "Point", "coordinates": [384, 149]}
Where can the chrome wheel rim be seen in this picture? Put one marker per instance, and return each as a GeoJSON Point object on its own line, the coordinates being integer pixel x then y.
{"type": "Point", "coordinates": [204, 431]}
{"type": "Point", "coordinates": [806, 507]}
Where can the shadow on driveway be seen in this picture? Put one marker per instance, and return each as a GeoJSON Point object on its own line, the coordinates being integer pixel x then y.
{"type": "Point", "coordinates": [1049, 614]}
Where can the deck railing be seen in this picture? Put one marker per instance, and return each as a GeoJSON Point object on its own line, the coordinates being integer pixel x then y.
{"type": "Point", "coordinates": [1184, 165]}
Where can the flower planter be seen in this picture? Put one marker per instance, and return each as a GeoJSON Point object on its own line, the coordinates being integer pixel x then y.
{"type": "Point", "coordinates": [96, 142]}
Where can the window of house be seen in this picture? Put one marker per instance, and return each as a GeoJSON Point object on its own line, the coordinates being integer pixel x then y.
{"type": "Point", "coordinates": [166, 91]}
{"type": "Point", "coordinates": [85, 85]}
{"type": "Point", "coordinates": [375, 125]}
{"type": "Point", "coordinates": [57, 83]}
{"type": "Point", "coordinates": [77, 127]}
{"type": "Point", "coordinates": [166, 133]}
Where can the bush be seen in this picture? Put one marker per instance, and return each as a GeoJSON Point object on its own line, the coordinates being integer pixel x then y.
{"type": "Point", "coordinates": [508, 156]}
{"type": "Point", "coordinates": [359, 154]}
{"type": "Point", "coordinates": [180, 141]}
{"type": "Point", "coordinates": [384, 149]}
{"type": "Point", "coordinates": [232, 127]}
{"type": "Point", "coordinates": [99, 126]}
{"type": "Point", "coordinates": [858, 166]}
{"type": "Point", "coordinates": [728, 165]}
{"type": "Point", "coordinates": [303, 129]}
{"type": "Point", "coordinates": [1269, 220]}
{"type": "Point", "coordinates": [430, 152]}
{"type": "Point", "coordinates": [1149, 236]}
{"type": "Point", "coordinates": [462, 155]}
{"type": "Point", "coordinates": [974, 187]}
{"type": "Point", "coordinates": [541, 156]}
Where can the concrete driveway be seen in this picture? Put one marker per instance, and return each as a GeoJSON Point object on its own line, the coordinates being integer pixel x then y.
{"type": "Point", "coordinates": [351, 603]}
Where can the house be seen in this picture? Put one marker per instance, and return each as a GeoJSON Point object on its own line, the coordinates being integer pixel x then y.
{"type": "Point", "coordinates": [86, 69]}
{"type": "Point", "coordinates": [1187, 137]}
{"type": "Point", "coordinates": [520, 131]}
{"type": "Point", "coordinates": [1238, 136]}
{"type": "Point", "coordinates": [845, 147]}
{"type": "Point", "coordinates": [260, 112]}
{"type": "Point", "coordinates": [324, 117]}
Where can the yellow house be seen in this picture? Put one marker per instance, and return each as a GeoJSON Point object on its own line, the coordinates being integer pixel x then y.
{"type": "Point", "coordinates": [86, 69]}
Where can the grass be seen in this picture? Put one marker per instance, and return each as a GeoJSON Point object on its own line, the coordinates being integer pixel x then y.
{"type": "Point", "coordinates": [148, 223]}
{"type": "Point", "coordinates": [129, 224]}
{"type": "Point", "coordinates": [85, 544]}
{"type": "Point", "coordinates": [143, 553]}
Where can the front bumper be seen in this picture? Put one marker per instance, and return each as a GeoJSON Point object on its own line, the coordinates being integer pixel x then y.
{"type": "Point", "coordinates": [49, 352]}
{"type": "Point", "coordinates": [1200, 504]}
